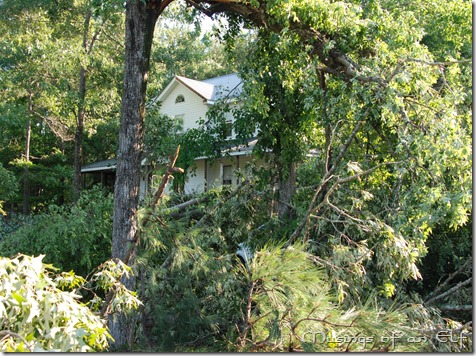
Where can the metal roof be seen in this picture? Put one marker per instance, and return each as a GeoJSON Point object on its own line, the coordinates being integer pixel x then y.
{"type": "Point", "coordinates": [107, 165]}
{"type": "Point", "coordinates": [205, 90]}
{"type": "Point", "coordinates": [212, 89]}
{"type": "Point", "coordinates": [230, 85]}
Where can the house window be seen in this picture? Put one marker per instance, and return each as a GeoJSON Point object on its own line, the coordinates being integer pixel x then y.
{"type": "Point", "coordinates": [179, 99]}
{"type": "Point", "coordinates": [227, 175]}
{"type": "Point", "coordinates": [228, 129]}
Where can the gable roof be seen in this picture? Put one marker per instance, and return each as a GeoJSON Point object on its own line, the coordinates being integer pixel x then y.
{"type": "Point", "coordinates": [202, 89]}
{"type": "Point", "coordinates": [210, 90]}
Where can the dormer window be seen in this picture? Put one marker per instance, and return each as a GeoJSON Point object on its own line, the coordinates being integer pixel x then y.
{"type": "Point", "coordinates": [179, 99]}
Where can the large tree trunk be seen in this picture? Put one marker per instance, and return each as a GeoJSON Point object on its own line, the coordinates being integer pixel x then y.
{"type": "Point", "coordinates": [141, 18]}
{"type": "Point", "coordinates": [287, 189]}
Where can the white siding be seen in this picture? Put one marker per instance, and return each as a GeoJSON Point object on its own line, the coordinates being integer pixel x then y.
{"type": "Point", "coordinates": [215, 170]}
{"type": "Point", "coordinates": [192, 109]}
{"type": "Point", "coordinates": [195, 181]}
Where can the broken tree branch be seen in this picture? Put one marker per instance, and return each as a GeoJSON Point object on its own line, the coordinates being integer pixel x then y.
{"type": "Point", "coordinates": [449, 291]}
{"type": "Point", "coordinates": [160, 190]}
{"type": "Point", "coordinates": [449, 279]}
{"type": "Point", "coordinates": [157, 196]}
{"type": "Point", "coordinates": [326, 178]}
{"type": "Point", "coordinates": [466, 307]}
{"type": "Point", "coordinates": [179, 208]}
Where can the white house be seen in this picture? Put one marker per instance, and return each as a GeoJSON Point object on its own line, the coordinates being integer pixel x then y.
{"type": "Point", "coordinates": [189, 100]}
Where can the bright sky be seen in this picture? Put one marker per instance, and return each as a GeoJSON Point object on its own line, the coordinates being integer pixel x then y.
{"type": "Point", "coordinates": [207, 23]}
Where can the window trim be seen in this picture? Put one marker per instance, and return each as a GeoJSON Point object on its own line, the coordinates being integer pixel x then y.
{"type": "Point", "coordinates": [179, 99]}
{"type": "Point", "coordinates": [223, 180]}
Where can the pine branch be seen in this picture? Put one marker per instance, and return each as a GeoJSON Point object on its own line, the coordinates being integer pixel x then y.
{"type": "Point", "coordinates": [324, 321]}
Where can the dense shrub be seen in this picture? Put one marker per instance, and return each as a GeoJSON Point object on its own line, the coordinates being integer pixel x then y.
{"type": "Point", "coordinates": [72, 237]}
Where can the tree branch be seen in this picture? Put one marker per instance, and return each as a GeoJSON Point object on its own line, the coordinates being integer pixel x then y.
{"type": "Point", "coordinates": [10, 334]}
{"type": "Point", "coordinates": [326, 178]}
{"type": "Point", "coordinates": [447, 307]}
{"type": "Point", "coordinates": [449, 279]}
{"type": "Point", "coordinates": [449, 291]}
{"type": "Point", "coordinates": [160, 190]}
{"type": "Point", "coordinates": [157, 196]}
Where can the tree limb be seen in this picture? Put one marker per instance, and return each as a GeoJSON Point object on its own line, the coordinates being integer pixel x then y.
{"type": "Point", "coordinates": [157, 196]}
{"type": "Point", "coordinates": [449, 279]}
{"type": "Point", "coordinates": [449, 291]}
{"type": "Point", "coordinates": [447, 307]}
{"type": "Point", "coordinates": [326, 178]}
{"type": "Point", "coordinates": [10, 334]}
{"type": "Point", "coordinates": [160, 190]}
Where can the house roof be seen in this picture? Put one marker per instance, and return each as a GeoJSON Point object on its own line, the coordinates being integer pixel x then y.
{"type": "Point", "coordinates": [210, 90]}
{"type": "Point", "coordinates": [107, 165]}
{"type": "Point", "coordinates": [244, 149]}
{"type": "Point", "coordinates": [230, 85]}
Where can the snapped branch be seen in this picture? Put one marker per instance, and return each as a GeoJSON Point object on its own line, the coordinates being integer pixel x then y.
{"type": "Point", "coordinates": [449, 291]}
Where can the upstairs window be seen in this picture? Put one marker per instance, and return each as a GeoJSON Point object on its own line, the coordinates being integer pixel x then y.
{"type": "Point", "coordinates": [228, 129]}
{"type": "Point", "coordinates": [179, 99]}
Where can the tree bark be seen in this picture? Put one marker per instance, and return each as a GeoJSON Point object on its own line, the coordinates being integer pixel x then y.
{"type": "Point", "coordinates": [287, 189]}
{"type": "Point", "coordinates": [141, 17]}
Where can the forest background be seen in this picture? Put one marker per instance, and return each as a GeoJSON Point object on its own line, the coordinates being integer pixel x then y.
{"type": "Point", "coordinates": [366, 245]}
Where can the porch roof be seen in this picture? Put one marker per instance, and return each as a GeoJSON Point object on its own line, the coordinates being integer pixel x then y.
{"type": "Point", "coordinates": [106, 165]}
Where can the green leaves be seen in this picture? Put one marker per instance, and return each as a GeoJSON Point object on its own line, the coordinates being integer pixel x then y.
{"type": "Point", "coordinates": [41, 317]}
{"type": "Point", "coordinates": [43, 312]}
{"type": "Point", "coordinates": [75, 237]}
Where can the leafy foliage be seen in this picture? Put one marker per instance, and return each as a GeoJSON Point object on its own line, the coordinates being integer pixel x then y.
{"type": "Point", "coordinates": [389, 125]}
{"type": "Point", "coordinates": [8, 188]}
{"type": "Point", "coordinates": [38, 316]}
{"type": "Point", "coordinates": [380, 91]}
{"type": "Point", "coordinates": [42, 311]}
{"type": "Point", "coordinates": [42, 50]}
{"type": "Point", "coordinates": [74, 237]}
